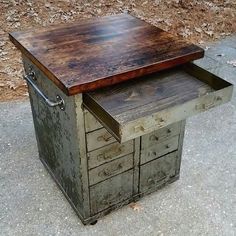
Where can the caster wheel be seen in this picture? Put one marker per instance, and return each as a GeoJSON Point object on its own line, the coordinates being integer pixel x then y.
{"type": "Point", "coordinates": [94, 222]}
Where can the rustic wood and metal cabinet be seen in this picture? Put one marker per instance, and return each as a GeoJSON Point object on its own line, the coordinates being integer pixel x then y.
{"type": "Point", "coordinates": [109, 99]}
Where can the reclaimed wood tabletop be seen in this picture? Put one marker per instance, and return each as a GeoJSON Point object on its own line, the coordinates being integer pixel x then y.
{"type": "Point", "coordinates": [99, 52]}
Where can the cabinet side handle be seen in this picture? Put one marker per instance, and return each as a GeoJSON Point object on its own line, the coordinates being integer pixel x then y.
{"type": "Point", "coordinates": [59, 101]}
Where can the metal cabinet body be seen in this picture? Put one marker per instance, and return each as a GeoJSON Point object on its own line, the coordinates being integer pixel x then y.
{"type": "Point", "coordinates": [109, 107]}
{"type": "Point", "coordinates": [96, 173]}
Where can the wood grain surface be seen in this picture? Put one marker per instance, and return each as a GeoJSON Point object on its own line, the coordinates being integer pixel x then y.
{"type": "Point", "coordinates": [132, 100]}
{"type": "Point", "coordinates": [99, 52]}
{"type": "Point", "coordinates": [134, 108]}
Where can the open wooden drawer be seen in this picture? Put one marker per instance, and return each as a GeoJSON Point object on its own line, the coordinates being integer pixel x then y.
{"type": "Point", "coordinates": [137, 107]}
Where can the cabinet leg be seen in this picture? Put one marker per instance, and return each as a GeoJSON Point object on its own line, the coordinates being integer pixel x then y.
{"type": "Point", "coordinates": [94, 222]}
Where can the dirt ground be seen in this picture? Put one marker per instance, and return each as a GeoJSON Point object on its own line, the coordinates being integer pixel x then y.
{"type": "Point", "coordinates": [198, 21]}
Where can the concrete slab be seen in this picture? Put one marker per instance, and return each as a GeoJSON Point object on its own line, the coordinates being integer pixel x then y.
{"type": "Point", "coordinates": [202, 202]}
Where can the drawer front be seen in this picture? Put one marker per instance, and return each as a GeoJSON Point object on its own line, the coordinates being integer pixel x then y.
{"type": "Point", "coordinates": [109, 153]}
{"type": "Point", "coordinates": [91, 123]}
{"type": "Point", "coordinates": [159, 149]}
{"type": "Point", "coordinates": [160, 135]}
{"type": "Point", "coordinates": [110, 169]}
{"type": "Point", "coordinates": [111, 191]}
{"type": "Point", "coordinates": [135, 108]}
{"type": "Point", "coordinates": [99, 138]}
{"type": "Point", "coordinates": [158, 171]}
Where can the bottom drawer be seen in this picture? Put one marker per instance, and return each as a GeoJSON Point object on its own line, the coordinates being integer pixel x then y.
{"type": "Point", "coordinates": [111, 191]}
{"type": "Point", "coordinates": [158, 171]}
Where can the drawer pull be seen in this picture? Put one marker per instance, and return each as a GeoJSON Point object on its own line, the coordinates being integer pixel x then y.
{"type": "Point", "coordinates": [152, 153]}
{"type": "Point", "coordinates": [209, 105]}
{"type": "Point", "coordinates": [112, 199]}
{"type": "Point", "coordinates": [108, 172]}
{"type": "Point", "coordinates": [153, 138]}
{"type": "Point", "coordinates": [168, 131]}
{"type": "Point", "coordinates": [159, 120]}
{"type": "Point", "coordinates": [138, 128]}
{"type": "Point", "coordinates": [159, 176]}
{"type": "Point", "coordinates": [151, 181]}
{"type": "Point", "coordinates": [103, 156]}
{"type": "Point", "coordinates": [106, 137]}
{"type": "Point", "coordinates": [167, 146]}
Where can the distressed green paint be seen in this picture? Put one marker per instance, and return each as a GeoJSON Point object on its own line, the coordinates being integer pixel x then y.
{"type": "Point", "coordinates": [58, 140]}
{"type": "Point", "coordinates": [68, 142]}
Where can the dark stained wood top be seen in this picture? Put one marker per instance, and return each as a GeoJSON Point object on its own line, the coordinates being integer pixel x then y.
{"type": "Point", "coordinates": [99, 52]}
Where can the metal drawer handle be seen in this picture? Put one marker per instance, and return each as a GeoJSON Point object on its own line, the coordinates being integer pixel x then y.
{"type": "Point", "coordinates": [209, 105]}
{"type": "Point", "coordinates": [108, 172]}
{"type": "Point", "coordinates": [59, 101]}
{"type": "Point", "coordinates": [106, 137]}
{"type": "Point", "coordinates": [110, 199]}
{"type": "Point", "coordinates": [151, 181]}
{"type": "Point", "coordinates": [153, 138]}
{"type": "Point", "coordinates": [168, 131]}
{"type": "Point", "coordinates": [103, 156]}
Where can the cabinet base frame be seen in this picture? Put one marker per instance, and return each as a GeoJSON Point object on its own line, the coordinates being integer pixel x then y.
{"type": "Point", "coordinates": [92, 219]}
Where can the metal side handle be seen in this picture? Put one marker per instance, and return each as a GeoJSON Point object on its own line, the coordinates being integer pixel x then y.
{"type": "Point", "coordinates": [59, 101]}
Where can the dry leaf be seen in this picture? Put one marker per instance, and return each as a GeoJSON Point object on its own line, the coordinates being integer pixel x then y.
{"type": "Point", "coordinates": [198, 30]}
{"type": "Point", "coordinates": [136, 206]}
{"type": "Point", "coordinates": [186, 32]}
{"type": "Point", "coordinates": [210, 33]}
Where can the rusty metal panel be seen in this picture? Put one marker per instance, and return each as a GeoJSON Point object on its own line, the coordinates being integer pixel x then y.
{"type": "Point", "coordinates": [111, 192]}
{"type": "Point", "coordinates": [180, 146]}
{"type": "Point", "coordinates": [110, 169]}
{"type": "Point", "coordinates": [159, 149]}
{"type": "Point", "coordinates": [158, 171]}
{"type": "Point", "coordinates": [60, 146]}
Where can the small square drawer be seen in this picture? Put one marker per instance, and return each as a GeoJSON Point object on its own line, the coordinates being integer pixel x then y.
{"type": "Point", "coordinates": [110, 169]}
{"type": "Point", "coordinates": [109, 153]}
{"type": "Point", "coordinates": [111, 191]}
{"type": "Point", "coordinates": [134, 108]}
{"type": "Point", "coordinates": [160, 135]}
{"type": "Point", "coordinates": [99, 138]}
{"type": "Point", "coordinates": [158, 171]}
{"type": "Point", "coordinates": [159, 149]}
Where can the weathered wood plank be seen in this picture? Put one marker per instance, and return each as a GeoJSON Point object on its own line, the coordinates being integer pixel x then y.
{"type": "Point", "coordinates": [135, 108]}
{"type": "Point", "coordinates": [98, 52]}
